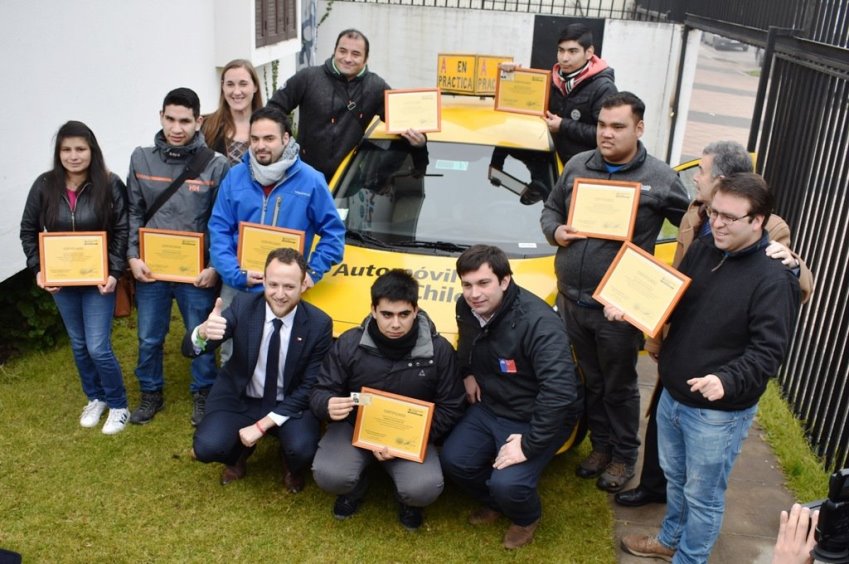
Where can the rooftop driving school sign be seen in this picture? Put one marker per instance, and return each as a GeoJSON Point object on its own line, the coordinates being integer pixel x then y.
{"type": "Point", "coordinates": [474, 75]}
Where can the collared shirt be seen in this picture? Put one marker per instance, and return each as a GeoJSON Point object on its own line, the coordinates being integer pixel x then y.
{"type": "Point", "coordinates": [257, 383]}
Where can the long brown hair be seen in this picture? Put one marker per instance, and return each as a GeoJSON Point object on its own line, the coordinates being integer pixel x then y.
{"type": "Point", "coordinates": [97, 176]}
{"type": "Point", "coordinates": [219, 126]}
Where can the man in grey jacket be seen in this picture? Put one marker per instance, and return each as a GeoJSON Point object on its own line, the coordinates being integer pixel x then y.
{"type": "Point", "coordinates": [152, 171]}
{"type": "Point", "coordinates": [606, 350]}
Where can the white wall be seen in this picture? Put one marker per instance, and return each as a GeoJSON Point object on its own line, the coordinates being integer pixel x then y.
{"type": "Point", "coordinates": [405, 41]}
{"type": "Point", "coordinates": [105, 62]}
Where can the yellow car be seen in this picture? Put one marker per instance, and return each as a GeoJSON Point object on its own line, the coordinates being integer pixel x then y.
{"type": "Point", "coordinates": [481, 179]}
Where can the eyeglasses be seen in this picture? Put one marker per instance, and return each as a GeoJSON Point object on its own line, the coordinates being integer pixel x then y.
{"type": "Point", "coordinates": [723, 217]}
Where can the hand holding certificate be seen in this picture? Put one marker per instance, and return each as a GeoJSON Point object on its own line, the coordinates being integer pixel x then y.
{"type": "Point", "coordinates": [419, 109]}
{"type": "Point", "coordinates": [391, 423]}
{"type": "Point", "coordinates": [74, 258]}
{"type": "Point", "coordinates": [605, 209]}
{"type": "Point", "coordinates": [173, 256]}
{"type": "Point", "coordinates": [643, 288]}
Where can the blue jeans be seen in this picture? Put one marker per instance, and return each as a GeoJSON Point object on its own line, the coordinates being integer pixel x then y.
{"type": "Point", "coordinates": [697, 450]}
{"type": "Point", "coordinates": [468, 454]}
{"type": "Point", "coordinates": [88, 318]}
{"type": "Point", "coordinates": [153, 300]}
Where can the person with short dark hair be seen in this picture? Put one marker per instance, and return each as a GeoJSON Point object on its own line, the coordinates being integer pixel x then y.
{"type": "Point", "coordinates": [719, 159]}
{"type": "Point", "coordinates": [606, 351]}
{"type": "Point", "coordinates": [727, 337]}
{"type": "Point", "coordinates": [179, 145]}
{"type": "Point", "coordinates": [273, 186]}
{"type": "Point", "coordinates": [80, 194]}
{"type": "Point", "coordinates": [524, 393]}
{"type": "Point", "coordinates": [396, 349]}
{"type": "Point", "coordinates": [580, 81]}
{"type": "Point", "coordinates": [336, 103]}
{"type": "Point", "coordinates": [279, 342]}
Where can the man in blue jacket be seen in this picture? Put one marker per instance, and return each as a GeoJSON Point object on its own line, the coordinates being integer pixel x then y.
{"type": "Point", "coordinates": [272, 186]}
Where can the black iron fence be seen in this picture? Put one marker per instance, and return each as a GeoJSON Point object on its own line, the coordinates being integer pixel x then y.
{"type": "Point", "coordinates": [616, 9]}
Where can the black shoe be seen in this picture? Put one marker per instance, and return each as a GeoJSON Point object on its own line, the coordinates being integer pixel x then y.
{"type": "Point", "coordinates": [410, 517]}
{"type": "Point", "coordinates": [345, 507]}
{"type": "Point", "coordinates": [638, 497]}
{"type": "Point", "coordinates": [199, 406]}
{"type": "Point", "coordinates": [151, 402]}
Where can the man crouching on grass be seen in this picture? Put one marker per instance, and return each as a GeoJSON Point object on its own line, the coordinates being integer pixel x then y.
{"type": "Point", "coordinates": [526, 397]}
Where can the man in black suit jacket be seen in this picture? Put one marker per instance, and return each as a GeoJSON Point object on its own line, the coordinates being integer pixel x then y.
{"type": "Point", "coordinates": [241, 408]}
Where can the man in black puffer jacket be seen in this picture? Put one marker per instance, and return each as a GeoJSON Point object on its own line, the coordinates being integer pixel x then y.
{"type": "Point", "coordinates": [337, 101]}
{"type": "Point", "coordinates": [526, 398]}
{"type": "Point", "coordinates": [396, 350]}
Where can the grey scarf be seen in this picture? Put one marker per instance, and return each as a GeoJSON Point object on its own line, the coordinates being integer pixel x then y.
{"type": "Point", "coordinates": [273, 174]}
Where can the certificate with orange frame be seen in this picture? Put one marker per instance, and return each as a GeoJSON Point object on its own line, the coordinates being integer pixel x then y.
{"type": "Point", "coordinates": [172, 256]}
{"type": "Point", "coordinates": [397, 423]}
{"type": "Point", "coordinates": [523, 91]}
{"type": "Point", "coordinates": [257, 240]}
{"type": "Point", "coordinates": [605, 209]}
{"type": "Point", "coordinates": [73, 258]}
{"type": "Point", "coordinates": [643, 288]}
{"type": "Point", "coordinates": [418, 108]}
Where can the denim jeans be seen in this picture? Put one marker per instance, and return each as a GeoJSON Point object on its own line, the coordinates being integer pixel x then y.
{"type": "Point", "coordinates": [698, 448]}
{"type": "Point", "coordinates": [468, 454]}
{"type": "Point", "coordinates": [153, 300]}
{"type": "Point", "coordinates": [88, 318]}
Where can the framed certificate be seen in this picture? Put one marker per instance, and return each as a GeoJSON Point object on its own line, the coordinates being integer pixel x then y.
{"type": "Point", "coordinates": [257, 240]}
{"type": "Point", "coordinates": [419, 109]}
{"type": "Point", "coordinates": [173, 256]}
{"type": "Point", "coordinates": [73, 258]}
{"type": "Point", "coordinates": [523, 91]}
{"type": "Point", "coordinates": [399, 423]}
{"type": "Point", "coordinates": [645, 289]}
{"type": "Point", "coordinates": [604, 209]}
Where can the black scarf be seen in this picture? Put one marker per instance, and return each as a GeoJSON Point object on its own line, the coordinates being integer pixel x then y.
{"type": "Point", "coordinates": [393, 349]}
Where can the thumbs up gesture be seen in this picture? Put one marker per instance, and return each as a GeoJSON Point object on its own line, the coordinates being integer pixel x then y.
{"type": "Point", "coordinates": [215, 325]}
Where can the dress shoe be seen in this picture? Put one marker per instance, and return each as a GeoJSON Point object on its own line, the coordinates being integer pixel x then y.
{"type": "Point", "coordinates": [518, 536]}
{"type": "Point", "coordinates": [484, 515]}
{"type": "Point", "coordinates": [638, 497]}
{"type": "Point", "coordinates": [647, 547]}
{"type": "Point", "coordinates": [293, 481]}
{"type": "Point", "coordinates": [233, 473]}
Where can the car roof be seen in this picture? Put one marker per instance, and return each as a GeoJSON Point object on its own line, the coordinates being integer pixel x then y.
{"type": "Point", "coordinates": [469, 119]}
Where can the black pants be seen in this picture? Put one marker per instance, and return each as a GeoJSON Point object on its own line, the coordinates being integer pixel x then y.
{"type": "Point", "coordinates": [652, 478]}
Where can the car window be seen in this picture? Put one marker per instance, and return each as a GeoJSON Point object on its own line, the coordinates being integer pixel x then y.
{"type": "Point", "coordinates": [462, 194]}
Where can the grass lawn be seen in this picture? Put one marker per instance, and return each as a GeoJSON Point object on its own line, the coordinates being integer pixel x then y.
{"type": "Point", "coordinates": [69, 494]}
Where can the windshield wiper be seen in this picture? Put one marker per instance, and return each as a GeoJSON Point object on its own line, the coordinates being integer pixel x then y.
{"type": "Point", "coordinates": [439, 245]}
{"type": "Point", "coordinates": [366, 238]}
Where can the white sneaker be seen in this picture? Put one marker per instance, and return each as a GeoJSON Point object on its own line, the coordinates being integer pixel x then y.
{"type": "Point", "coordinates": [92, 412]}
{"type": "Point", "coordinates": [116, 421]}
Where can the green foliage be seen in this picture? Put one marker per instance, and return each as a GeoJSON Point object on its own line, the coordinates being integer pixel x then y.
{"type": "Point", "coordinates": [28, 316]}
{"type": "Point", "coordinates": [270, 85]}
{"type": "Point", "coordinates": [806, 476]}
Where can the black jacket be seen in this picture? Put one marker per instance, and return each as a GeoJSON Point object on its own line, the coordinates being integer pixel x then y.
{"type": "Point", "coordinates": [81, 219]}
{"type": "Point", "coordinates": [522, 362]}
{"type": "Point", "coordinates": [334, 112]}
{"type": "Point", "coordinates": [428, 373]}
{"type": "Point", "coordinates": [735, 320]}
{"type": "Point", "coordinates": [579, 111]}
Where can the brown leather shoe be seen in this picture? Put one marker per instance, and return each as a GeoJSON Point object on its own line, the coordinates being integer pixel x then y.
{"type": "Point", "coordinates": [233, 473]}
{"type": "Point", "coordinates": [518, 536]}
{"type": "Point", "coordinates": [484, 515]}
{"type": "Point", "coordinates": [294, 482]}
{"type": "Point", "coordinates": [646, 546]}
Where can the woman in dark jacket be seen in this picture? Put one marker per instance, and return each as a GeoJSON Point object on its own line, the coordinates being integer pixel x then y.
{"type": "Point", "coordinates": [80, 194]}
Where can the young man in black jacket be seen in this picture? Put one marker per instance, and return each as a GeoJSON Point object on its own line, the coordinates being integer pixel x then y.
{"type": "Point", "coordinates": [396, 350]}
{"type": "Point", "coordinates": [526, 398]}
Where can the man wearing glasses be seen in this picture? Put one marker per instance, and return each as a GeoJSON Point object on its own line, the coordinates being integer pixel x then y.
{"type": "Point", "coordinates": [728, 335]}
{"type": "Point", "coordinates": [719, 159]}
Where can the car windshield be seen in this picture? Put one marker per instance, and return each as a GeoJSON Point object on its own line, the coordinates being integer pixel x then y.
{"type": "Point", "coordinates": [446, 196]}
